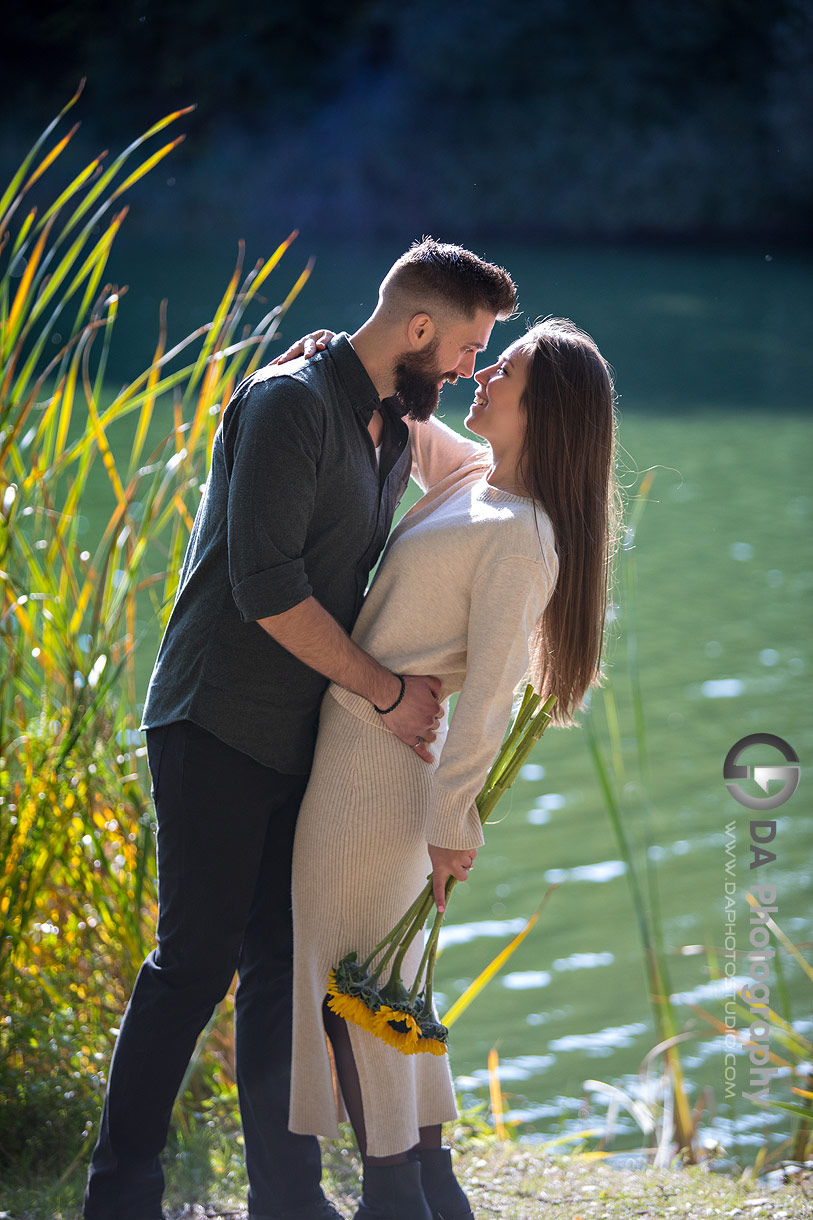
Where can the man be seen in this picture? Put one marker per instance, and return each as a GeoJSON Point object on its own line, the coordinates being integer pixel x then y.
{"type": "Point", "coordinates": [308, 466]}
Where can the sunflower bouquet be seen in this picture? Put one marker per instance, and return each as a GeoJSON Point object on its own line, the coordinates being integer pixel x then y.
{"type": "Point", "coordinates": [402, 1016]}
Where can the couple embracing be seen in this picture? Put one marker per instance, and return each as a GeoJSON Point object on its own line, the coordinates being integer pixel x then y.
{"type": "Point", "coordinates": [281, 849]}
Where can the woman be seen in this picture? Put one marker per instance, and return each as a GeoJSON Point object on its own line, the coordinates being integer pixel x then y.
{"type": "Point", "coordinates": [500, 567]}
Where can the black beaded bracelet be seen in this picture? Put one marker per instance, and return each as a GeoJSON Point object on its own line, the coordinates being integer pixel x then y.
{"type": "Point", "coordinates": [384, 711]}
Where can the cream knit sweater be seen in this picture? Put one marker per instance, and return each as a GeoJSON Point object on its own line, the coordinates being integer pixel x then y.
{"type": "Point", "coordinates": [464, 578]}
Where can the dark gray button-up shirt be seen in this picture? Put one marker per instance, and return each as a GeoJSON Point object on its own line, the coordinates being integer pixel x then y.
{"type": "Point", "coordinates": [294, 505]}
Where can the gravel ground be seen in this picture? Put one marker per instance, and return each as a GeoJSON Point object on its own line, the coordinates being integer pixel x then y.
{"type": "Point", "coordinates": [511, 1182]}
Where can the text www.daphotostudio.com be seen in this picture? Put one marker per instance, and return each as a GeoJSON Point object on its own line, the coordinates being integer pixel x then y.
{"type": "Point", "coordinates": [761, 899]}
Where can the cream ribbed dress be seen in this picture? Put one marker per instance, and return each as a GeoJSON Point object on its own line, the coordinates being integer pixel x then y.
{"type": "Point", "coordinates": [464, 577]}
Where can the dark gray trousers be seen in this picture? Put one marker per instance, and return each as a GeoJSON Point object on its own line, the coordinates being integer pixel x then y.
{"type": "Point", "coordinates": [225, 838]}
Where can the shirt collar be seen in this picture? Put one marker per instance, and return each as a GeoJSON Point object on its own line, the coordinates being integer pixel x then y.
{"type": "Point", "coordinates": [395, 405]}
{"type": "Point", "coordinates": [357, 383]}
{"type": "Point", "coordinates": [354, 377]}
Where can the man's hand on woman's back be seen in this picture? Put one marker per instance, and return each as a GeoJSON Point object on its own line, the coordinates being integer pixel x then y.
{"type": "Point", "coordinates": [417, 716]}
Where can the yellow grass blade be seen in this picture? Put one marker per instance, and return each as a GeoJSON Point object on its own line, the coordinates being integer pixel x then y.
{"type": "Point", "coordinates": [48, 161]}
{"type": "Point", "coordinates": [786, 1036]}
{"type": "Point", "coordinates": [102, 182]}
{"type": "Point", "coordinates": [45, 425]}
{"type": "Point", "coordinates": [22, 236]}
{"type": "Point", "coordinates": [212, 390]}
{"type": "Point", "coordinates": [68, 398]}
{"type": "Point", "coordinates": [117, 597]}
{"type": "Point", "coordinates": [93, 266]}
{"type": "Point", "coordinates": [473, 990]}
{"type": "Point", "coordinates": [177, 423]}
{"type": "Point", "coordinates": [26, 397]}
{"type": "Point", "coordinates": [796, 1043]}
{"type": "Point", "coordinates": [13, 192]}
{"type": "Point", "coordinates": [122, 405]}
{"type": "Point", "coordinates": [214, 335]}
{"type": "Point", "coordinates": [299, 285]}
{"type": "Point", "coordinates": [588, 1133]}
{"type": "Point", "coordinates": [83, 601]}
{"type": "Point", "coordinates": [495, 1094]}
{"type": "Point", "coordinates": [72, 188]}
{"type": "Point", "coordinates": [146, 166]}
{"type": "Point", "coordinates": [210, 383]}
{"type": "Point", "coordinates": [148, 406]}
{"type": "Point", "coordinates": [97, 256]}
{"type": "Point", "coordinates": [23, 290]}
{"type": "Point", "coordinates": [783, 939]}
{"type": "Point", "coordinates": [104, 446]}
{"type": "Point", "coordinates": [184, 511]}
{"type": "Point", "coordinates": [164, 122]}
{"type": "Point", "coordinates": [264, 272]}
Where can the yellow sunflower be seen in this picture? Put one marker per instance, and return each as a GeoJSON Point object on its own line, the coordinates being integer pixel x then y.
{"type": "Point", "coordinates": [350, 1007]}
{"type": "Point", "coordinates": [430, 1046]}
{"type": "Point", "coordinates": [397, 1028]}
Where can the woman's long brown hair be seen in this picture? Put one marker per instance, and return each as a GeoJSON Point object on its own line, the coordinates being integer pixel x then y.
{"type": "Point", "coordinates": [568, 465]}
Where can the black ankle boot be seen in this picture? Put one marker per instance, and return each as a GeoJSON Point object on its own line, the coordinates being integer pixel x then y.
{"type": "Point", "coordinates": [393, 1192]}
{"type": "Point", "coordinates": [441, 1188]}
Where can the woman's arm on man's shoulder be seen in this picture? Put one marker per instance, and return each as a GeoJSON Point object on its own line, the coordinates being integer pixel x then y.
{"type": "Point", "coordinates": [438, 451]}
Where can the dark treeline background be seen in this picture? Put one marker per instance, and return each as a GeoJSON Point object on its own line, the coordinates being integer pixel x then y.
{"type": "Point", "coordinates": [658, 118]}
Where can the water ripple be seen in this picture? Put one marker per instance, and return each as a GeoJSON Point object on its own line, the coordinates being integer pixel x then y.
{"type": "Point", "coordinates": [583, 961]}
{"type": "Point", "coordinates": [462, 933]}
{"type": "Point", "coordinates": [525, 980]}
{"type": "Point", "coordinates": [520, 1068]}
{"type": "Point", "coordinates": [603, 1043]}
{"type": "Point", "coordinates": [722, 688]}
{"type": "Point", "coordinates": [604, 870]}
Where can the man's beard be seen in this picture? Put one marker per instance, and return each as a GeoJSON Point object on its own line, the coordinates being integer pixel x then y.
{"type": "Point", "coordinates": [416, 381]}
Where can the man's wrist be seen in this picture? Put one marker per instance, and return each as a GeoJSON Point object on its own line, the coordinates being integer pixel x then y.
{"type": "Point", "coordinates": [384, 711]}
{"type": "Point", "coordinates": [387, 689]}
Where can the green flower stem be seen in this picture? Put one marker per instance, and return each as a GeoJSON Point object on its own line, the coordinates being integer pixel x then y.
{"type": "Point", "coordinates": [392, 936]}
{"type": "Point", "coordinates": [428, 960]}
{"type": "Point", "coordinates": [430, 978]}
{"type": "Point", "coordinates": [527, 708]}
{"type": "Point", "coordinates": [530, 723]}
{"type": "Point", "coordinates": [415, 927]}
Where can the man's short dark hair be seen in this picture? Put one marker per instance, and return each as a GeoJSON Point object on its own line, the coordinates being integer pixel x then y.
{"type": "Point", "coordinates": [433, 271]}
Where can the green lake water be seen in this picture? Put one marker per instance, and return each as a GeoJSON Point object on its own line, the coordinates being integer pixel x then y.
{"type": "Point", "coordinates": [714, 366]}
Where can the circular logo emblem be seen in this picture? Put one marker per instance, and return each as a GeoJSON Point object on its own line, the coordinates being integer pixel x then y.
{"type": "Point", "coordinates": [789, 772]}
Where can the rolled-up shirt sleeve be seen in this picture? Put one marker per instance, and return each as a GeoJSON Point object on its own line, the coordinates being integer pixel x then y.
{"type": "Point", "coordinates": [273, 440]}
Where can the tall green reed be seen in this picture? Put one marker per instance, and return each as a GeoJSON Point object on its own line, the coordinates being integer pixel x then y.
{"type": "Point", "coordinates": [791, 1050]}
{"type": "Point", "coordinates": [607, 756]}
{"type": "Point", "coordinates": [673, 1123]}
{"type": "Point", "coordinates": [77, 887]}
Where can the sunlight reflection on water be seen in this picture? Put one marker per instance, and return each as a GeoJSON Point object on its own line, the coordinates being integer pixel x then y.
{"type": "Point", "coordinates": [605, 870]}
{"type": "Point", "coordinates": [602, 1043]}
{"type": "Point", "coordinates": [461, 934]}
